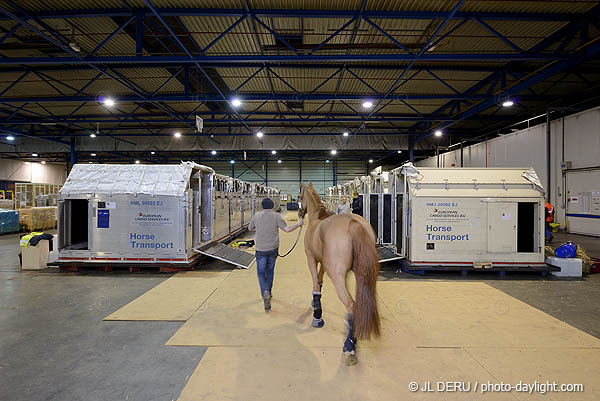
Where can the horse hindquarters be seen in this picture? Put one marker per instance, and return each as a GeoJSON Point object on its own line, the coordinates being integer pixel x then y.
{"type": "Point", "coordinates": [366, 268]}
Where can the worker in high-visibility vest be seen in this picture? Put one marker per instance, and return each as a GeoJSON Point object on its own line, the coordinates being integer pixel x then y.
{"type": "Point", "coordinates": [549, 219]}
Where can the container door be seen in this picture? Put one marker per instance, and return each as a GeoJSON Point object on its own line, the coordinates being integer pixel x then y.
{"type": "Point", "coordinates": [502, 227]}
{"type": "Point", "coordinates": [374, 213]}
{"type": "Point", "coordinates": [400, 234]}
{"type": "Point", "coordinates": [387, 219]}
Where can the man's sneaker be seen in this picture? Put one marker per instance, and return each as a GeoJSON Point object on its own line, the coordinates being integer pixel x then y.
{"type": "Point", "coordinates": [267, 300]}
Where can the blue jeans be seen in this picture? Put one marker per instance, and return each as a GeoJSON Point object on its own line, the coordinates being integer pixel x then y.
{"type": "Point", "coordinates": [548, 231]}
{"type": "Point", "coordinates": [265, 268]}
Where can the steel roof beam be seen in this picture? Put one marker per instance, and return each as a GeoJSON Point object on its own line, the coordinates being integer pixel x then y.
{"type": "Point", "coordinates": [293, 66]}
{"type": "Point", "coordinates": [202, 60]}
{"type": "Point", "coordinates": [291, 13]}
{"type": "Point", "coordinates": [258, 97]}
{"type": "Point", "coordinates": [333, 118]}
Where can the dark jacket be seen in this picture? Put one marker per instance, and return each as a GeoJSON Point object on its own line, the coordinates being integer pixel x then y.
{"type": "Point", "coordinates": [357, 206]}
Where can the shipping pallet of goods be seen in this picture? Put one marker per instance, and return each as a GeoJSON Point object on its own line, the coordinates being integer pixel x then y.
{"type": "Point", "coordinates": [31, 195]}
{"type": "Point", "coordinates": [38, 218]}
{"type": "Point", "coordinates": [9, 221]}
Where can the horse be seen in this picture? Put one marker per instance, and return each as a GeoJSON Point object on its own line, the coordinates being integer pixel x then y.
{"type": "Point", "coordinates": [340, 243]}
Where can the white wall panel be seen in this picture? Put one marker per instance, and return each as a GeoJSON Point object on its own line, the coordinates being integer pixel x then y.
{"type": "Point", "coordinates": [527, 148]}
{"type": "Point", "coordinates": [19, 171]}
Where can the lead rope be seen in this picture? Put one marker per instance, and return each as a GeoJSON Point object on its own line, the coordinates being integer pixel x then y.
{"type": "Point", "coordinates": [293, 246]}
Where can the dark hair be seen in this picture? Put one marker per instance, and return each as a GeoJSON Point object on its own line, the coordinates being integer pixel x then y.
{"type": "Point", "coordinates": [267, 203]}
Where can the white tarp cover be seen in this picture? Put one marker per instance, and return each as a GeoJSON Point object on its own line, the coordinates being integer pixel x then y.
{"type": "Point", "coordinates": [532, 176]}
{"type": "Point", "coordinates": [129, 179]}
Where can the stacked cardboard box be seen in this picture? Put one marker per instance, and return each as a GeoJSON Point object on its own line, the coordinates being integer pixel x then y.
{"type": "Point", "coordinates": [7, 204]}
{"type": "Point", "coordinates": [38, 218]}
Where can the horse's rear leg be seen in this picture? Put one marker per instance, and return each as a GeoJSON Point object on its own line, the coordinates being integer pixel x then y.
{"type": "Point", "coordinates": [339, 281]}
{"type": "Point", "coordinates": [316, 293]}
{"type": "Point", "coordinates": [320, 277]}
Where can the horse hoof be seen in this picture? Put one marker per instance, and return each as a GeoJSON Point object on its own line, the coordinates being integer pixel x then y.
{"type": "Point", "coordinates": [350, 358]}
{"type": "Point", "coordinates": [318, 322]}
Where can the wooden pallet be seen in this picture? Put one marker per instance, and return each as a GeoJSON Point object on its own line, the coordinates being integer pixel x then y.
{"type": "Point", "coordinates": [123, 268]}
{"type": "Point", "coordinates": [464, 270]}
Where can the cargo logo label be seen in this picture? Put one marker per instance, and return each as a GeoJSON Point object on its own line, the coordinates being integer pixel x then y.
{"type": "Point", "coordinates": [152, 219]}
{"type": "Point", "coordinates": [447, 214]}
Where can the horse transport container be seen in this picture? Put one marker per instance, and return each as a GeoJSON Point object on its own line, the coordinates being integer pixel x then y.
{"type": "Point", "coordinates": [115, 214]}
{"type": "Point", "coordinates": [456, 218]}
{"type": "Point", "coordinates": [469, 217]}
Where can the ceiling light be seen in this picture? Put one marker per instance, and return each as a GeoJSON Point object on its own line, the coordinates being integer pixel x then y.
{"type": "Point", "coordinates": [214, 152]}
{"type": "Point", "coordinates": [108, 102]}
{"type": "Point", "coordinates": [279, 161]}
{"type": "Point", "coordinates": [259, 134]}
{"type": "Point", "coordinates": [345, 134]}
{"type": "Point", "coordinates": [34, 154]}
{"type": "Point", "coordinates": [367, 104]}
{"type": "Point", "coordinates": [92, 154]}
{"type": "Point", "coordinates": [137, 162]}
{"type": "Point", "coordinates": [273, 152]}
{"type": "Point", "coordinates": [370, 160]}
{"type": "Point", "coordinates": [43, 162]}
{"type": "Point", "coordinates": [232, 161]}
{"type": "Point", "coordinates": [177, 135]}
{"type": "Point", "coordinates": [153, 153]}
{"type": "Point", "coordinates": [438, 133]}
{"type": "Point", "coordinates": [236, 102]}
{"type": "Point", "coordinates": [399, 151]}
{"type": "Point", "coordinates": [333, 151]}
{"type": "Point", "coordinates": [327, 161]}
{"type": "Point", "coordinates": [10, 138]}
{"type": "Point", "coordinates": [508, 103]}
{"type": "Point", "coordinates": [92, 135]}
{"type": "Point", "coordinates": [75, 46]}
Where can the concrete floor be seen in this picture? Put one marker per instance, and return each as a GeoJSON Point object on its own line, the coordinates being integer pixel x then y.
{"type": "Point", "coordinates": [55, 346]}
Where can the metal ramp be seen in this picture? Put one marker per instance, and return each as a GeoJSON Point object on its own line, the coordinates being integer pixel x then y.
{"type": "Point", "coordinates": [386, 254]}
{"type": "Point", "coordinates": [227, 254]}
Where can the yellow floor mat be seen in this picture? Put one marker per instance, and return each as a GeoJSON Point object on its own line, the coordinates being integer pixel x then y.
{"type": "Point", "coordinates": [175, 299]}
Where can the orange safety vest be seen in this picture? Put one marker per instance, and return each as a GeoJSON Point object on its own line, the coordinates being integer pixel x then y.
{"type": "Point", "coordinates": [549, 213]}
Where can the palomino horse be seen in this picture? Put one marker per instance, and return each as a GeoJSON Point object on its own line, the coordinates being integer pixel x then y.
{"type": "Point", "coordinates": [340, 243]}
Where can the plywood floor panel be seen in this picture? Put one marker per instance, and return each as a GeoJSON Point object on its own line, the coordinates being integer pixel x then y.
{"type": "Point", "coordinates": [454, 314]}
{"type": "Point", "coordinates": [263, 374]}
{"type": "Point", "coordinates": [175, 299]}
{"type": "Point", "coordinates": [572, 366]}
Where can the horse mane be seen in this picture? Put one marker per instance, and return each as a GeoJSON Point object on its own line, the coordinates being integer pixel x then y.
{"type": "Point", "coordinates": [323, 211]}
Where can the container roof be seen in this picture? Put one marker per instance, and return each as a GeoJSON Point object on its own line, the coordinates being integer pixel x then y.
{"type": "Point", "coordinates": [479, 182]}
{"type": "Point", "coordinates": [130, 179]}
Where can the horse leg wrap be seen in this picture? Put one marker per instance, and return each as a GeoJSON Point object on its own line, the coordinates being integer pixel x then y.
{"type": "Point", "coordinates": [350, 343]}
{"type": "Point", "coordinates": [318, 312]}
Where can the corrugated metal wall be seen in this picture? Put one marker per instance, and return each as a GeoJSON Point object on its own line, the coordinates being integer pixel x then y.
{"type": "Point", "coordinates": [286, 175]}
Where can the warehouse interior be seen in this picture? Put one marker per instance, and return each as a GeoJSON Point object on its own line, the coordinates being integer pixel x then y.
{"type": "Point", "coordinates": [181, 117]}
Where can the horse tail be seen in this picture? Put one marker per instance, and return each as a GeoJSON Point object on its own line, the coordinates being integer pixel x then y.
{"type": "Point", "coordinates": [365, 264]}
